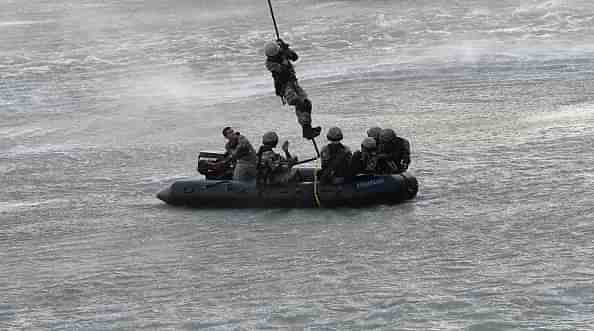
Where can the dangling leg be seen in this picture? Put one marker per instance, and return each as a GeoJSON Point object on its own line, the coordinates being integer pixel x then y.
{"type": "Point", "coordinates": [303, 112]}
{"type": "Point", "coordinates": [295, 96]}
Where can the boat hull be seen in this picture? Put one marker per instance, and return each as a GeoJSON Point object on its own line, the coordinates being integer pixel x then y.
{"type": "Point", "coordinates": [361, 191]}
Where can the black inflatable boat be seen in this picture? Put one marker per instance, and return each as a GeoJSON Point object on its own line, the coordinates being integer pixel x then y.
{"type": "Point", "coordinates": [218, 190]}
{"type": "Point", "coordinates": [362, 190]}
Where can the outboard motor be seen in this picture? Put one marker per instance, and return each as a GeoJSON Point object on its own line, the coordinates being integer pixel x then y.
{"type": "Point", "coordinates": [207, 165]}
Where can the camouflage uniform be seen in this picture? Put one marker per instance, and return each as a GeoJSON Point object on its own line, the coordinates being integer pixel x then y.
{"type": "Point", "coordinates": [394, 156]}
{"type": "Point", "coordinates": [273, 168]}
{"type": "Point", "coordinates": [242, 152]}
{"type": "Point", "coordinates": [286, 85]}
{"type": "Point", "coordinates": [336, 162]}
{"type": "Point", "coordinates": [365, 162]}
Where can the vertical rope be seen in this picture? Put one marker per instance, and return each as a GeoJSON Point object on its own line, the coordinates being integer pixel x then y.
{"type": "Point", "coordinates": [273, 20]}
{"type": "Point", "coordinates": [316, 193]}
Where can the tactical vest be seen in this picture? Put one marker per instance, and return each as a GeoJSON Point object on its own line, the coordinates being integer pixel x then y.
{"type": "Point", "coordinates": [339, 162]}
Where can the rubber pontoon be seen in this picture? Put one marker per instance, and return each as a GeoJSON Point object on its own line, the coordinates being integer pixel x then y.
{"type": "Point", "coordinates": [362, 190]}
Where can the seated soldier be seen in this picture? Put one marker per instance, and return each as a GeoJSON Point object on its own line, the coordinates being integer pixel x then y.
{"type": "Point", "coordinates": [272, 167]}
{"type": "Point", "coordinates": [366, 160]}
{"type": "Point", "coordinates": [394, 153]}
{"type": "Point", "coordinates": [336, 158]}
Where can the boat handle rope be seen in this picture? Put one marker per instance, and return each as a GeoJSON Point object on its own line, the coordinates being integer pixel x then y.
{"type": "Point", "coordinates": [217, 183]}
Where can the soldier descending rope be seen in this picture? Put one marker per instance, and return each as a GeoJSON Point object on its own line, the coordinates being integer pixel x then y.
{"type": "Point", "coordinates": [278, 61]}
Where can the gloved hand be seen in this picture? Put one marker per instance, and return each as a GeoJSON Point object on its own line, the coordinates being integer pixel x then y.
{"type": "Point", "coordinates": [403, 165]}
{"type": "Point", "coordinates": [282, 44]}
{"type": "Point", "coordinates": [285, 146]}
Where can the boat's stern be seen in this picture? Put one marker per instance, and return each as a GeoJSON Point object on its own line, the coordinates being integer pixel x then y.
{"type": "Point", "coordinates": [412, 185]}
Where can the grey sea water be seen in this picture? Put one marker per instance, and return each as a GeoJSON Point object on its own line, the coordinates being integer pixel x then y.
{"type": "Point", "coordinates": [103, 103]}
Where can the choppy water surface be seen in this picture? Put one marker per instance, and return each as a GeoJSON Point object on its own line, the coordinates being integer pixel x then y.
{"type": "Point", "coordinates": [102, 103]}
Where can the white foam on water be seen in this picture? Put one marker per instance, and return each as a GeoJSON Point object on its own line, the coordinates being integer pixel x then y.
{"type": "Point", "coordinates": [581, 112]}
{"type": "Point", "coordinates": [492, 194]}
{"type": "Point", "coordinates": [39, 150]}
{"type": "Point", "coordinates": [160, 180]}
{"type": "Point", "coordinates": [19, 205]}
{"type": "Point", "coordinates": [23, 23]}
{"type": "Point", "coordinates": [29, 132]}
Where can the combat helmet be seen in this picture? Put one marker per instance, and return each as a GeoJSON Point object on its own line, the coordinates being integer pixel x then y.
{"type": "Point", "coordinates": [369, 144]}
{"type": "Point", "coordinates": [387, 135]}
{"type": "Point", "coordinates": [374, 132]}
{"type": "Point", "coordinates": [334, 134]}
{"type": "Point", "coordinates": [271, 48]}
{"type": "Point", "coordinates": [270, 138]}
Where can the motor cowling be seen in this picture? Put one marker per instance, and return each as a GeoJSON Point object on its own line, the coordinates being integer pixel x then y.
{"type": "Point", "coordinates": [209, 165]}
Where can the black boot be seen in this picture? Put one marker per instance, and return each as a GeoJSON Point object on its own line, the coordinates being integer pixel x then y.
{"type": "Point", "coordinates": [316, 131]}
{"type": "Point", "coordinates": [309, 132]}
